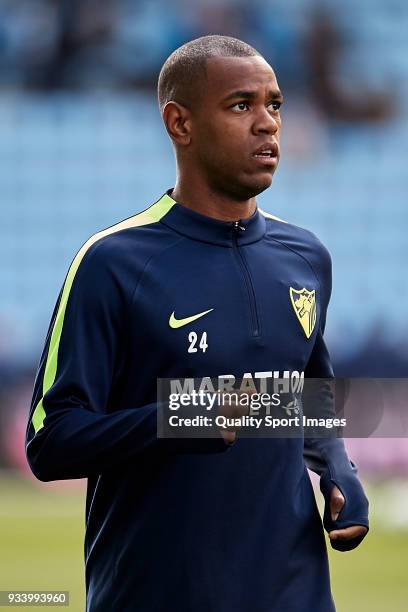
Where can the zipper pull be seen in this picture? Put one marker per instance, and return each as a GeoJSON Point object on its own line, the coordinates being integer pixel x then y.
{"type": "Point", "coordinates": [237, 226]}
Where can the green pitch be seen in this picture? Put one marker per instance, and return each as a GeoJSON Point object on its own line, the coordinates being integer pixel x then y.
{"type": "Point", "coordinates": [41, 535]}
{"type": "Point", "coordinates": [41, 547]}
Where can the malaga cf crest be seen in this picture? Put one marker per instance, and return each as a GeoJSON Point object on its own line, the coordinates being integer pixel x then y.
{"type": "Point", "coordinates": [304, 305]}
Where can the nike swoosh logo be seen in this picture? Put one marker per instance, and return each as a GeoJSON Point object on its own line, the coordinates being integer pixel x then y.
{"type": "Point", "coordinates": [176, 323]}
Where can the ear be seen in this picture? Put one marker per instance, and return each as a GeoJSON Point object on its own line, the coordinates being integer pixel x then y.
{"type": "Point", "coordinates": [177, 119]}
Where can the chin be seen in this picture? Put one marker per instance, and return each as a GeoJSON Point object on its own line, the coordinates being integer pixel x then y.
{"type": "Point", "coordinates": [258, 186]}
{"type": "Point", "coordinates": [245, 187]}
{"type": "Point", "coordinates": [246, 191]}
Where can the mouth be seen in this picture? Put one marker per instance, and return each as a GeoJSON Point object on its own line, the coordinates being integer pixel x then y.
{"type": "Point", "coordinates": [267, 154]}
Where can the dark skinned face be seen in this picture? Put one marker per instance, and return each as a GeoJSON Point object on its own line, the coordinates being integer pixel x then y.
{"type": "Point", "coordinates": [235, 126]}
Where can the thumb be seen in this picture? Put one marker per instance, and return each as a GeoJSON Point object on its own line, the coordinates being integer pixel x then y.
{"type": "Point", "coordinates": [337, 502]}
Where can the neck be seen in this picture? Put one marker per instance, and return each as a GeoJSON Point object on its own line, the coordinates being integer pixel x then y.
{"type": "Point", "coordinates": [204, 200]}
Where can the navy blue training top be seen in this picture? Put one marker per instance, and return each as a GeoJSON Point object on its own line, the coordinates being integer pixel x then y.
{"type": "Point", "coordinates": [190, 525]}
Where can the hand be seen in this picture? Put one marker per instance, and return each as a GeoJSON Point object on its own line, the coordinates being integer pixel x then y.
{"type": "Point", "coordinates": [336, 504]}
{"type": "Point", "coordinates": [234, 410]}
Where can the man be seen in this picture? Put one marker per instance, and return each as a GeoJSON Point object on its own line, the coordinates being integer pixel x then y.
{"type": "Point", "coordinates": [198, 284]}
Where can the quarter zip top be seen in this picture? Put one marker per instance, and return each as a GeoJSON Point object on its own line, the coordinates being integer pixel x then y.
{"type": "Point", "coordinates": [238, 229]}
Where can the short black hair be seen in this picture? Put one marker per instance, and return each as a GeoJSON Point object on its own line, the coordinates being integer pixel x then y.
{"type": "Point", "coordinates": [183, 71]}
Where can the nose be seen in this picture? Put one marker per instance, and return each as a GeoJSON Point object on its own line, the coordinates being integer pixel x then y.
{"type": "Point", "coordinates": [265, 122]}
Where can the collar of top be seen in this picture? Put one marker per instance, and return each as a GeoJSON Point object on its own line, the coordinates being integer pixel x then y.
{"type": "Point", "coordinates": [207, 229]}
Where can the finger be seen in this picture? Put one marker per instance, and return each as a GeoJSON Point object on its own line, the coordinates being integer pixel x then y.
{"type": "Point", "coordinates": [228, 436]}
{"type": "Point", "coordinates": [233, 410]}
{"type": "Point", "coordinates": [337, 502]}
{"type": "Point", "coordinates": [348, 533]}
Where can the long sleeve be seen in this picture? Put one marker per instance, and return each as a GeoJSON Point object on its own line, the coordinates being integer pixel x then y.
{"type": "Point", "coordinates": [318, 400]}
{"type": "Point", "coordinates": [73, 431]}
{"type": "Point", "coordinates": [326, 455]}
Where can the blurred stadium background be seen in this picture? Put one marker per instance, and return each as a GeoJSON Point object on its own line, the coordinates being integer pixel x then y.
{"type": "Point", "coordinates": [82, 146]}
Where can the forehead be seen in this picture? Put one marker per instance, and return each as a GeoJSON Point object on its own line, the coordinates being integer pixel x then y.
{"type": "Point", "coordinates": [226, 74]}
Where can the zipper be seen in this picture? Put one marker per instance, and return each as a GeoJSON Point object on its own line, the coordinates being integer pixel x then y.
{"type": "Point", "coordinates": [236, 229]}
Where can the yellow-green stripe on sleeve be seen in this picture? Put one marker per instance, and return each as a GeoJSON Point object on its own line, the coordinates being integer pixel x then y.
{"type": "Point", "coordinates": [153, 214]}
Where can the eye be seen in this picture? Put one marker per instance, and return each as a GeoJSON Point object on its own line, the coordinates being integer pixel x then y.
{"type": "Point", "coordinates": [240, 107]}
{"type": "Point", "coordinates": [275, 105]}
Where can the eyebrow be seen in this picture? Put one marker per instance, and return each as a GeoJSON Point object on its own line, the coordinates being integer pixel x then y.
{"type": "Point", "coordinates": [250, 95]}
